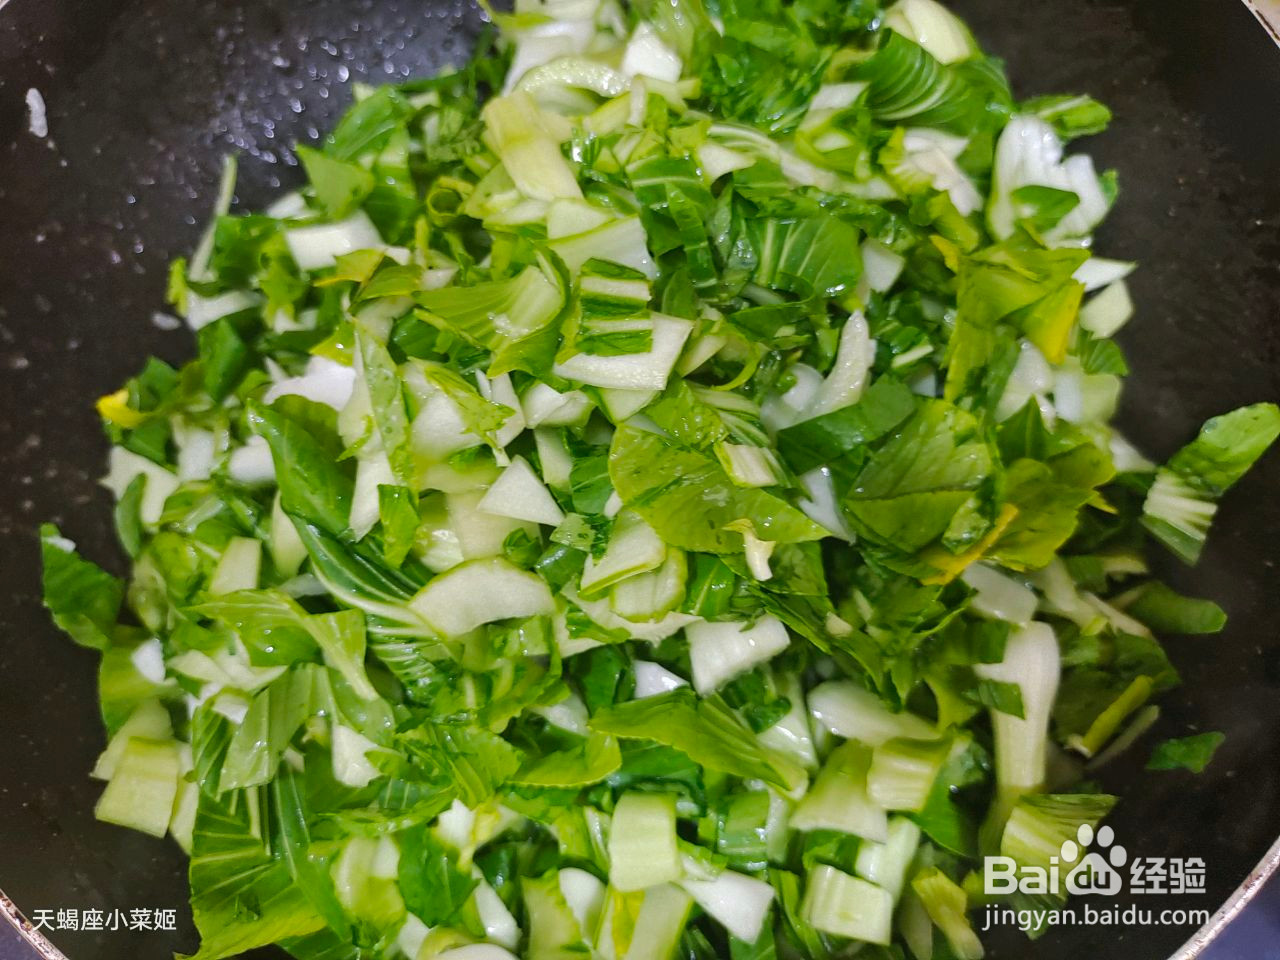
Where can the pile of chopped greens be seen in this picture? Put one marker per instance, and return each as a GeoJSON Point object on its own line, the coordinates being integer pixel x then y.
{"type": "Point", "coordinates": [649, 495]}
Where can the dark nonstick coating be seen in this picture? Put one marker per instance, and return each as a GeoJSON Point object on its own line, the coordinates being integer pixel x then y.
{"type": "Point", "coordinates": [145, 97]}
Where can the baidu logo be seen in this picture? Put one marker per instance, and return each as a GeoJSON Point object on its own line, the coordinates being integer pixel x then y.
{"type": "Point", "coordinates": [1097, 871]}
{"type": "Point", "coordinates": [1093, 863]}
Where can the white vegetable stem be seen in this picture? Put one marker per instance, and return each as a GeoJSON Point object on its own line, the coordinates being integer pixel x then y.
{"type": "Point", "coordinates": [519, 494]}
{"type": "Point", "coordinates": [999, 596]}
{"type": "Point", "coordinates": [632, 371]}
{"type": "Point", "coordinates": [721, 650]}
{"type": "Point", "coordinates": [1029, 153]}
{"type": "Point", "coordinates": [1032, 661]}
{"type": "Point", "coordinates": [843, 385]}
{"type": "Point", "coordinates": [481, 591]}
{"type": "Point", "coordinates": [849, 710]}
{"type": "Point", "coordinates": [738, 902]}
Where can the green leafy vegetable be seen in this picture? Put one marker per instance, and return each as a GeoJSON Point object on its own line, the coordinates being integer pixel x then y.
{"type": "Point", "coordinates": [340, 185]}
{"type": "Point", "coordinates": [83, 599]}
{"type": "Point", "coordinates": [1165, 611]}
{"type": "Point", "coordinates": [690, 500]}
{"type": "Point", "coordinates": [433, 887]}
{"type": "Point", "coordinates": [313, 485]}
{"type": "Point", "coordinates": [664, 462]}
{"type": "Point", "coordinates": [1188, 753]}
{"type": "Point", "coordinates": [703, 729]}
{"type": "Point", "coordinates": [912, 487]}
{"type": "Point", "coordinates": [1183, 499]}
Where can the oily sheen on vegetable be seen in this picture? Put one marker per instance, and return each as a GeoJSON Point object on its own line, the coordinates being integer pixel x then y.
{"type": "Point", "coordinates": [650, 494]}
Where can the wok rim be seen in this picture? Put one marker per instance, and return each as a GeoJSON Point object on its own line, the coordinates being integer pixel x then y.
{"type": "Point", "coordinates": [1234, 905]}
{"type": "Point", "coordinates": [26, 930]}
{"type": "Point", "coordinates": [1268, 14]}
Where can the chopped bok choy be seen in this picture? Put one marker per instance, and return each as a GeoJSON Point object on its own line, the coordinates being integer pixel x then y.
{"type": "Point", "coordinates": [649, 493]}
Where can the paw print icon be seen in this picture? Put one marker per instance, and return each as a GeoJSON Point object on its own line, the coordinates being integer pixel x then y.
{"type": "Point", "coordinates": [1096, 870]}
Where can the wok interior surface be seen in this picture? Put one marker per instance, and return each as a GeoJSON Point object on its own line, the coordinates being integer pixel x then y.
{"type": "Point", "coordinates": [146, 96]}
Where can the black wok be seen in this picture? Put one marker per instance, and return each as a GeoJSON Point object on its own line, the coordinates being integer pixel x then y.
{"type": "Point", "coordinates": [145, 96]}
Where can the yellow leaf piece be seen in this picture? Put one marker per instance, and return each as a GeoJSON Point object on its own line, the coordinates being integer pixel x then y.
{"type": "Point", "coordinates": [339, 346]}
{"type": "Point", "coordinates": [1099, 502]}
{"type": "Point", "coordinates": [950, 252]}
{"type": "Point", "coordinates": [1052, 319]}
{"type": "Point", "coordinates": [951, 565]}
{"type": "Point", "coordinates": [114, 407]}
{"type": "Point", "coordinates": [356, 266]}
{"type": "Point", "coordinates": [625, 912]}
